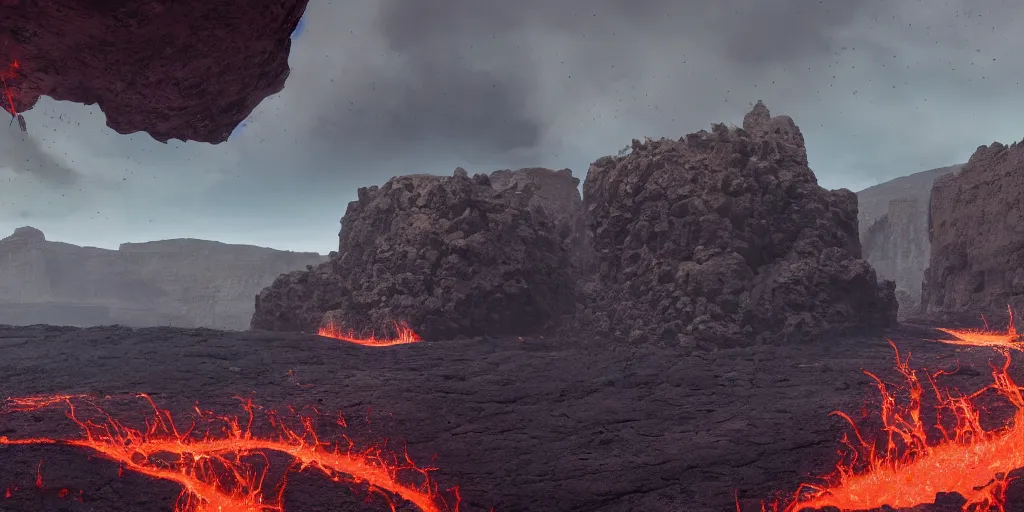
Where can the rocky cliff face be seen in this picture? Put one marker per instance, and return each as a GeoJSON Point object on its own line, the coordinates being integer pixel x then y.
{"type": "Point", "coordinates": [726, 237]}
{"type": "Point", "coordinates": [894, 231]}
{"type": "Point", "coordinates": [873, 202]}
{"type": "Point", "coordinates": [896, 245]}
{"type": "Point", "coordinates": [976, 230]}
{"type": "Point", "coordinates": [184, 69]}
{"type": "Point", "coordinates": [452, 256]}
{"type": "Point", "coordinates": [188, 283]}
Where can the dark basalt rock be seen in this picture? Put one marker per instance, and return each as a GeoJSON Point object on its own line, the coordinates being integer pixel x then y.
{"type": "Point", "coordinates": [452, 256]}
{"type": "Point", "coordinates": [726, 237]}
{"type": "Point", "coordinates": [177, 69]}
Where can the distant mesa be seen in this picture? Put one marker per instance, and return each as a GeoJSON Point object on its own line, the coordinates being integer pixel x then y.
{"type": "Point", "coordinates": [182, 283]}
{"type": "Point", "coordinates": [25, 235]}
{"type": "Point", "coordinates": [718, 238]}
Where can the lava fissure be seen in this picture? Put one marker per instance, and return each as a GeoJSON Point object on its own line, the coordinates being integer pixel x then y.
{"type": "Point", "coordinates": [915, 462]}
{"type": "Point", "coordinates": [213, 466]}
{"type": "Point", "coordinates": [403, 335]}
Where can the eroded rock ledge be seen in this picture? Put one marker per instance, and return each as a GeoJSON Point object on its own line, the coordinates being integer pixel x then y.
{"type": "Point", "coordinates": [177, 69]}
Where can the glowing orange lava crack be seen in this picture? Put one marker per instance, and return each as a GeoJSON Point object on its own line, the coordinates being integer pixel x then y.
{"type": "Point", "coordinates": [212, 468]}
{"type": "Point", "coordinates": [404, 335]}
{"type": "Point", "coordinates": [986, 337]}
{"type": "Point", "coordinates": [910, 470]}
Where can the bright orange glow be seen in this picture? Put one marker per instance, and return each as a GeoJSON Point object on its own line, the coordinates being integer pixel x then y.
{"type": "Point", "coordinates": [911, 467]}
{"type": "Point", "coordinates": [986, 337]}
{"type": "Point", "coordinates": [219, 469]}
{"type": "Point", "coordinates": [7, 92]}
{"type": "Point", "coordinates": [403, 335]}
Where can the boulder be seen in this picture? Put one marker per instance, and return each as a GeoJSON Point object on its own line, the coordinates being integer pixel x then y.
{"type": "Point", "coordinates": [976, 230]}
{"type": "Point", "coordinates": [450, 256]}
{"type": "Point", "coordinates": [725, 237]}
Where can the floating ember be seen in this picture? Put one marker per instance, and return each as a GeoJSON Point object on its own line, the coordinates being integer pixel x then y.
{"type": "Point", "coordinates": [912, 467]}
{"type": "Point", "coordinates": [403, 335]}
{"type": "Point", "coordinates": [216, 460]}
{"type": "Point", "coordinates": [986, 337]}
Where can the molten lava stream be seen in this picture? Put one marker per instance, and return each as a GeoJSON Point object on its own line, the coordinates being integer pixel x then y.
{"type": "Point", "coordinates": [986, 337]}
{"type": "Point", "coordinates": [967, 459]}
{"type": "Point", "coordinates": [404, 335]}
{"type": "Point", "coordinates": [213, 467]}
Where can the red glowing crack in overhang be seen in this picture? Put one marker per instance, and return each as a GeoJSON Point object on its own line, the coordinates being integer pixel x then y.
{"type": "Point", "coordinates": [10, 74]}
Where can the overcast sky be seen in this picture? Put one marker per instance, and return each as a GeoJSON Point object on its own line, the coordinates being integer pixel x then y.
{"type": "Point", "coordinates": [385, 87]}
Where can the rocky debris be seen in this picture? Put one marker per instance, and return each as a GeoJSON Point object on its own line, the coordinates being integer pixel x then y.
{"type": "Point", "coordinates": [726, 237]}
{"type": "Point", "coordinates": [185, 283]}
{"type": "Point", "coordinates": [975, 230]}
{"type": "Point", "coordinates": [897, 246]}
{"type": "Point", "coordinates": [452, 256]}
{"type": "Point", "coordinates": [182, 69]}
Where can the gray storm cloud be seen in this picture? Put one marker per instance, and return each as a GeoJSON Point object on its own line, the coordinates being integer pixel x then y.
{"type": "Point", "coordinates": [881, 88]}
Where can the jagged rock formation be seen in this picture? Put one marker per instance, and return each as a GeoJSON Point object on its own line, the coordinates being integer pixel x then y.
{"type": "Point", "coordinates": [897, 246]}
{"type": "Point", "coordinates": [184, 283]}
{"type": "Point", "coordinates": [727, 237]}
{"type": "Point", "coordinates": [976, 230]}
{"type": "Point", "coordinates": [183, 69]}
{"type": "Point", "coordinates": [449, 255]}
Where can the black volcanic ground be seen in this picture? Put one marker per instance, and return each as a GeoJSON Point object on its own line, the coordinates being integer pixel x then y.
{"type": "Point", "coordinates": [519, 425]}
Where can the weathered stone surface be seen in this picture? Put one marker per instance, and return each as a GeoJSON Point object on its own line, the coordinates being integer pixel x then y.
{"type": "Point", "coordinates": [452, 256]}
{"type": "Point", "coordinates": [897, 246]}
{"type": "Point", "coordinates": [182, 69]}
{"type": "Point", "coordinates": [727, 237]}
{"type": "Point", "coordinates": [186, 283]}
{"type": "Point", "coordinates": [976, 223]}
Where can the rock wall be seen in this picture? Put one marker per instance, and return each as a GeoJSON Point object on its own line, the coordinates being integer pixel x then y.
{"type": "Point", "coordinates": [726, 237]}
{"type": "Point", "coordinates": [976, 231]}
{"type": "Point", "coordinates": [183, 69]}
{"type": "Point", "coordinates": [185, 283]}
{"type": "Point", "coordinates": [452, 256]}
{"type": "Point", "coordinates": [897, 246]}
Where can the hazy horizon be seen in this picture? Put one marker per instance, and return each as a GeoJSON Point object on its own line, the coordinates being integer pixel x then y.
{"type": "Point", "coordinates": [377, 89]}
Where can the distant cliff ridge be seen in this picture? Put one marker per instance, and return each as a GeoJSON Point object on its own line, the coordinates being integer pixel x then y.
{"type": "Point", "coordinates": [893, 218]}
{"type": "Point", "coordinates": [183, 282]}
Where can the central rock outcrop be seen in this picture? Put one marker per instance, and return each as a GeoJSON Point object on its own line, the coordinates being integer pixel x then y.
{"type": "Point", "coordinates": [726, 237]}
{"type": "Point", "coordinates": [452, 256]}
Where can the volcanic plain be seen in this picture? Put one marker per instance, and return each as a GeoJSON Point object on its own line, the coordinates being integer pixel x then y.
{"type": "Point", "coordinates": [518, 424]}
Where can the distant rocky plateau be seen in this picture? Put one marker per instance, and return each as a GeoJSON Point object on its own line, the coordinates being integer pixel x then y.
{"type": "Point", "coordinates": [183, 282]}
